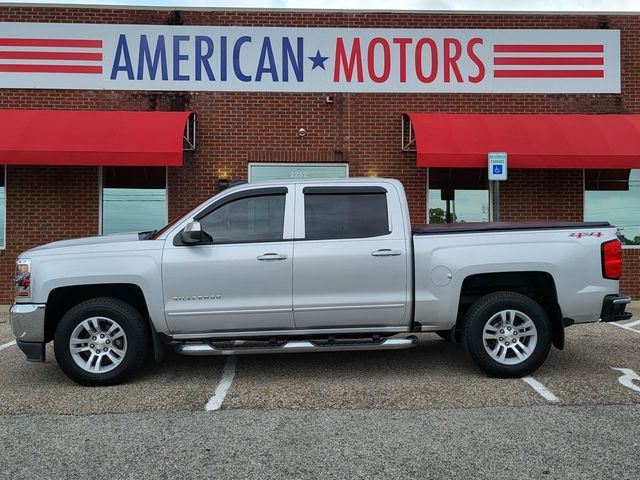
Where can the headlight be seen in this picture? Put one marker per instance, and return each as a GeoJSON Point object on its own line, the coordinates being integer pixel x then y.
{"type": "Point", "coordinates": [23, 277]}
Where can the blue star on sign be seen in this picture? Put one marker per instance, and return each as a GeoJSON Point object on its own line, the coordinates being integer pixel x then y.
{"type": "Point", "coordinates": [318, 60]}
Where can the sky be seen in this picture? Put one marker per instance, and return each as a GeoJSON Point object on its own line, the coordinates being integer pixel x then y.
{"type": "Point", "coordinates": [490, 5]}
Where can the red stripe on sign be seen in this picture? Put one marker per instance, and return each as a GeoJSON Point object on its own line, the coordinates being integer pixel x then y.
{"type": "Point", "coordinates": [51, 68]}
{"type": "Point", "coordinates": [548, 61]}
{"type": "Point", "coordinates": [49, 42]}
{"type": "Point", "coordinates": [549, 73]}
{"type": "Point", "coordinates": [549, 48]}
{"type": "Point", "coordinates": [50, 55]}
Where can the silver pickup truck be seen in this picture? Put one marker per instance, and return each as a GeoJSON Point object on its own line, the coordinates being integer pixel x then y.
{"type": "Point", "coordinates": [315, 266]}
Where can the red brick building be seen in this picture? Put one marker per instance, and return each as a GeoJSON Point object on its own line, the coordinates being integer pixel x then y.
{"type": "Point", "coordinates": [359, 132]}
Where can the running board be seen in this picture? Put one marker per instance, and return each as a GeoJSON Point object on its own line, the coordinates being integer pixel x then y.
{"type": "Point", "coordinates": [295, 346]}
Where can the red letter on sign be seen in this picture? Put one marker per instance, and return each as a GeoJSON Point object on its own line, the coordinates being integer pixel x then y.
{"type": "Point", "coordinates": [355, 60]}
{"type": "Point", "coordinates": [474, 58]}
{"type": "Point", "coordinates": [451, 60]}
{"type": "Point", "coordinates": [386, 66]}
{"type": "Point", "coordinates": [434, 60]}
{"type": "Point", "coordinates": [403, 42]}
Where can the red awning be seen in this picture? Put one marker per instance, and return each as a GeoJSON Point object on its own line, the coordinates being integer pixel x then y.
{"type": "Point", "coordinates": [87, 137]}
{"type": "Point", "coordinates": [531, 141]}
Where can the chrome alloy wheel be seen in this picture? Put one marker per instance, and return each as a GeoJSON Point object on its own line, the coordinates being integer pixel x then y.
{"type": "Point", "coordinates": [98, 344]}
{"type": "Point", "coordinates": [510, 337]}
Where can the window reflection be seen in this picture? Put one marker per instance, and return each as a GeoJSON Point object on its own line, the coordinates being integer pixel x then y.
{"type": "Point", "coordinates": [133, 209]}
{"type": "Point", "coordinates": [458, 195]}
{"type": "Point", "coordinates": [465, 206]}
{"type": "Point", "coordinates": [134, 199]}
{"type": "Point", "coordinates": [616, 201]}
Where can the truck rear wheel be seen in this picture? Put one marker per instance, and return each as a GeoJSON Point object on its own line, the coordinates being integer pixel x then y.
{"type": "Point", "coordinates": [101, 341]}
{"type": "Point", "coordinates": [506, 334]}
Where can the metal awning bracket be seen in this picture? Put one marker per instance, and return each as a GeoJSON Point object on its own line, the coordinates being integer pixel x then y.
{"type": "Point", "coordinates": [190, 133]}
{"type": "Point", "coordinates": [408, 135]}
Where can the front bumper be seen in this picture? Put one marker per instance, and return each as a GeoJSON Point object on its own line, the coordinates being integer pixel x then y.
{"type": "Point", "coordinates": [27, 323]}
{"type": "Point", "coordinates": [613, 307]}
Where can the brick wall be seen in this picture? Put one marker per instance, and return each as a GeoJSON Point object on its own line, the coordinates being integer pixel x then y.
{"type": "Point", "coordinates": [52, 203]}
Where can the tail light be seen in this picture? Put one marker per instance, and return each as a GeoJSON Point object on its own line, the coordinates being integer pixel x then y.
{"type": "Point", "coordinates": [612, 259]}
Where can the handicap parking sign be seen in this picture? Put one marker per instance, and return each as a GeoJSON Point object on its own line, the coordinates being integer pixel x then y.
{"type": "Point", "coordinates": [497, 165]}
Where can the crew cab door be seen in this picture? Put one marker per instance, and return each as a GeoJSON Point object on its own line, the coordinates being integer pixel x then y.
{"type": "Point", "coordinates": [351, 259]}
{"type": "Point", "coordinates": [241, 278]}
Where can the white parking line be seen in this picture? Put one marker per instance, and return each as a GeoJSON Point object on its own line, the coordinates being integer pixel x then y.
{"type": "Point", "coordinates": [7, 345]}
{"type": "Point", "coordinates": [628, 377]}
{"type": "Point", "coordinates": [215, 402]}
{"type": "Point", "coordinates": [541, 389]}
{"type": "Point", "coordinates": [628, 326]}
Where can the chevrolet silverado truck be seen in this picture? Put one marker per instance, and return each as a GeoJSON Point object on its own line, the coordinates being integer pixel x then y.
{"type": "Point", "coordinates": [318, 266]}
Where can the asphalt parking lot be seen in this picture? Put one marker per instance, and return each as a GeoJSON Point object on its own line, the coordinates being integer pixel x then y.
{"type": "Point", "coordinates": [432, 375]}
{"type": "Point", "coordinates": [598, 372]}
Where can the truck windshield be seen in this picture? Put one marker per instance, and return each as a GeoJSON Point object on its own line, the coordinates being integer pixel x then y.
{"type": "Point", "coordinates": [157, 233]}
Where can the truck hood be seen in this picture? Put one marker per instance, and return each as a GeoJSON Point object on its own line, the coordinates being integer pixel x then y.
{"type": "Point", "coordinates": [78, 242]}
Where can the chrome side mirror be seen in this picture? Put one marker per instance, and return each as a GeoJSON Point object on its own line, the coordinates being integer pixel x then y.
{"type": "Point", "coordinates": [192, 233]}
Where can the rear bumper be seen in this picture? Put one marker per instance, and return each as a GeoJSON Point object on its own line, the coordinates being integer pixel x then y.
{"type": "Point", "coordinates": [613, 307]}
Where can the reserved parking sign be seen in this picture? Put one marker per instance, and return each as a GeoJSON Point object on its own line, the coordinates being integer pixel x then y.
{"type": "Point", "coordinates": [497, 165]}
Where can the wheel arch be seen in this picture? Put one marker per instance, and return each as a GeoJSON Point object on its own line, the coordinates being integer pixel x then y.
{"type": "Point", "coordinates": [62, 299]}
{"type": "Point", "coordinates": [540, 286]}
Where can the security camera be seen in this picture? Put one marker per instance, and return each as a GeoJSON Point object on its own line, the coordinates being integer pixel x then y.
{"type": "Point", "coordinates": [329, 99]}
{"type": "Point", "coordinates": [302, 132]}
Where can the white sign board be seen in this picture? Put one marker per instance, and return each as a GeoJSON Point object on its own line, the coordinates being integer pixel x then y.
{"type": "Point", "coordinates": [267, 59]}
{"type": "Point", "coordinates": [497, 166]}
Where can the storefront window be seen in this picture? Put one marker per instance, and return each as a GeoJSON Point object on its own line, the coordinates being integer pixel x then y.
{"type": "Point", "coordinates": [614, 196]}
{"type": "Point", "coordinates": [134, 199]}
{"type": "Point", "coordinates": [3, 205]}
{"type": "Point", "coordinates": [296, 171]}
{"type": "Point", "coordinates": [458, 195]}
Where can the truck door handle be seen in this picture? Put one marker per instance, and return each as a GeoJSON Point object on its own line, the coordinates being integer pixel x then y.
{"type": "Point", "coordinates": [272, 256]}
{"type": "Point", "coordinates": [386, 252]}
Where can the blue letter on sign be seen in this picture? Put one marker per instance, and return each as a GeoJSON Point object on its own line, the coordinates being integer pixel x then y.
{"type": "Point", "coordinates": [177, 58]}
{"type": "Point", "coordinates": [266, 56]}
{"type": "Point", "coordinates": [236, 59]}
{"type": "Point", "coordinates": [288, 57]}
{"type": "Point", "coordinates": [202, 59]}
{"type": "Point", "coordinates": [122, 50]}
{"type": "Point", "coordinates": [159, 58]}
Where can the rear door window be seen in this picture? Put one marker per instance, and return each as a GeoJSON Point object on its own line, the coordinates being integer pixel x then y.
{"type": "Point", "coordinates": [352, 214]}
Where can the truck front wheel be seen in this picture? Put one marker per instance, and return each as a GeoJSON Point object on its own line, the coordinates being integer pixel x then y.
{"type": "Point", "coordinates": [101, 341]}
{"type": "Point", "coordinates": [506, 334]}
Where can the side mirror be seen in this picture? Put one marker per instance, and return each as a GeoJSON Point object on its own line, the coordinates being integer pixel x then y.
{"type": "Point", "coordinates": [192, 233]}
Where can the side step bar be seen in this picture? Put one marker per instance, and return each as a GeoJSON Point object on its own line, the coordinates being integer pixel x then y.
{"type": "Point", "coordinates": [295, 346]}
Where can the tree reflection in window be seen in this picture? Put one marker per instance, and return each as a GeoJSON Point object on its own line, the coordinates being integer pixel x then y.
{"type": "Point", "coordinates": [614, 196]}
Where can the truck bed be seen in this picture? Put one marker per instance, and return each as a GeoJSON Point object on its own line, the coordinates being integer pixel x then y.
{"type": "Point", "coordinates": [475, 227]}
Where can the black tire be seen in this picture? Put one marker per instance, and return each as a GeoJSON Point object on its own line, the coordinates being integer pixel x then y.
{"type": "Point", "coordinates": [482, 311]}
{"type": "Point", "coordinates": [136, 335]}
